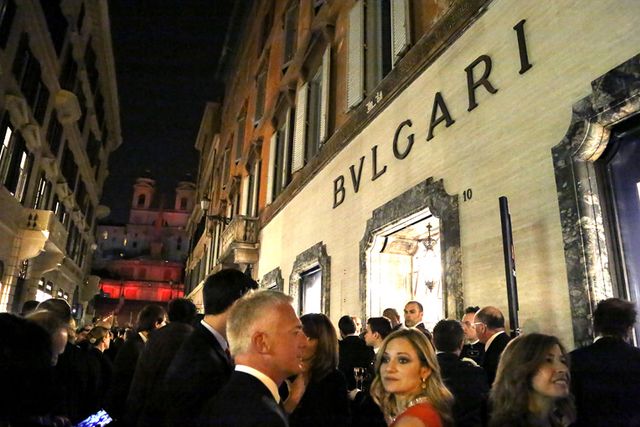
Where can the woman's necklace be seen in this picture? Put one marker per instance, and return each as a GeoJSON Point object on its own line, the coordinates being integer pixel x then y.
{"type": "Point", "coordinates": [413, 402]}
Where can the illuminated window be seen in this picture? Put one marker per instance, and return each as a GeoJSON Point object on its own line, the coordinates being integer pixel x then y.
{"type": "Point", "coordinates": [105, 235]}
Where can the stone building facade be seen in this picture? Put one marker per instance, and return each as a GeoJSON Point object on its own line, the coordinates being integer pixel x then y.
{"type": "Point", "coordinates": [59, 124]}
{"type": "Point", "coordinates": [358, 157]}
{"type": "Point", "coordinates": [143, 261]}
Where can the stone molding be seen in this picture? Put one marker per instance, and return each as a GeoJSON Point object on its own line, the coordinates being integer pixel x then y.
{"type": "Point", "coordinates": [316, 255]}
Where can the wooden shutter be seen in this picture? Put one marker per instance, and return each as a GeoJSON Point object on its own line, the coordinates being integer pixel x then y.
{"type": "Point", "coordinates": [355, 56]}
{"type": "Point", "coordinates": [400, 28]}
{"type": "Point", "coordinates": [300, 133]}
{"type": "Point", "coordinates": [270, 174]}
{"type": "Point", "coordinates": [324, 95]}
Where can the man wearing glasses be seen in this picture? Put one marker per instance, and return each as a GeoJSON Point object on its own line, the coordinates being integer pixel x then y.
{"type": "Point", "coordinates": [489, 325]}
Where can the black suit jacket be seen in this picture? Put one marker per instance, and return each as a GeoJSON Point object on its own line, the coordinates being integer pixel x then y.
{"type": "Point", "coordinates": [145, 403]}
{"type": "Point", "coordinates": [123, 370]}
{"type": "Point", "coordinates": [469, 387]}
{"type": "Point", "coordinates": [353, 352]}
{"type": "Point", "coordinates": [605, 380]}
{"type": "Point", "coordinates": [324, 403]}
{"type": "Point", "coordinates": [243, 402]}
{"type": "Point", "coordinates": [492, 356]}
{"type": "Point", "coordinates": [197, 372]}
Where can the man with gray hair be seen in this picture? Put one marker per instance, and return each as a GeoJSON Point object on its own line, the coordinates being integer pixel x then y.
{"type": "Point", "coordinates": [267, 342]}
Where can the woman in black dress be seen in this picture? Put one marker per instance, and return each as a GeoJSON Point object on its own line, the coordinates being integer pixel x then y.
{"type": "Point", "coordinates": [318, 396]}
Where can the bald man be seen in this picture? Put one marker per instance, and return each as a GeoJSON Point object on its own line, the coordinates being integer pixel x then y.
{"type": "Point", "coordinates": [489, 324]}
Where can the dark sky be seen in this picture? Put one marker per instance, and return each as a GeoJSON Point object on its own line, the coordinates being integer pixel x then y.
{"type": "Point", "coordinates": [166, 55]}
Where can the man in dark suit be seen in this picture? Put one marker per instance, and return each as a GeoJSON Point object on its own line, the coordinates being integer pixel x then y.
{"type": "Point", "coordinates": [605, 376]}
{"type": "Point", "coordinates": [202, 365]}
{"type": "Point", "coordinates": [152, 316]}
{"type": "Point", "coordinates": [352, 350]}
{"type": "Point", "coordinates": [473, 349]}
{"type": "Point", "coordinates": [145, 403]}
{"type": "Point", "coordinates": [267, 343]}
{"type": "Point", "coordinates": [489, 324]}
{"type": "Point", "coordinates": [467, 383]}
{"type": "Point", "coordinates": [413, 313]}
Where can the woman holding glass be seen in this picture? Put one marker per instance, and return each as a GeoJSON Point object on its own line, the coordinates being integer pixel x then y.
{"type": "Point", "coordinates": [408, 387]}
{"type": "Point", "coordinates": [532, 384]}
{"type": "Point", "coordinates": [318, 396]}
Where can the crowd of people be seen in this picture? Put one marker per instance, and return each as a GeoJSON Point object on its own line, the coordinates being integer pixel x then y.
{"type": "Point", "coordinates": [251, 361]}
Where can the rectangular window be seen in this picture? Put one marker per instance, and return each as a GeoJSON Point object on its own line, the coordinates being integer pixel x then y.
{"type": "Point", "coordinates": [7, 139]}
{"type": "Point", "coordinates": [261, 87]}
{"type": "Point", "coordinates": [42, 195]}
{"type": "Point", "coordinates": [265, 30]}
{"type": "Point", "coordinates": [240, 137]}
{"type": "Point", "coordinates": [282, 160]}
{"type": "Point", "coordinates": [56, 22]}
{"type": "Point", "coordinates": [311, 291]}
{"type": "Point", "coordinates": [313, 142]}
{"type": "Point", "coordinates": [18, 170]}
{"type": "Point", "coordinates": [290, 33]}
{"type": "Point", "coordinates": [54, 135]}
{"type": "Point", "coordinates": [7, 14]}
{"type": "Point", "coordinates": [253, 189]}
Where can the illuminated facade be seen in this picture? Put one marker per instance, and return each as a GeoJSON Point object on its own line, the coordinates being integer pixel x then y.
{"type": "Point", "coordinates": [143, 261]}
{"type": "Point", "coordinates": [59, 123]}
{"type": "Point", "coordinates": [361, 149]}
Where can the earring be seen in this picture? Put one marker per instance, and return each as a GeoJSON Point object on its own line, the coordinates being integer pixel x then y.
{"type": "Point", "coordinates": [424, 383]}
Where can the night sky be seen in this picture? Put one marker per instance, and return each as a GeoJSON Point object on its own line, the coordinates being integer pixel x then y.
{"type": "Point", "coordinates": [166, 57]}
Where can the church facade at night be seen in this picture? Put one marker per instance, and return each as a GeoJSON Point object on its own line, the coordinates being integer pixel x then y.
{"type": "Point", "coordinates": [360, 152]}
{"type": "Point", "coordinates": [143, 261]}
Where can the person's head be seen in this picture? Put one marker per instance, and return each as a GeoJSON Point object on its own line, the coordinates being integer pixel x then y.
{"type": "Point", "coordinates": [223, 288]}
{"type": "Point", "coordinates": [532, 378]}
{"type": "Point", "coordinates": [62, 310]}
{"type": "Point", "coordinates": [448, 336]}
{"type": "Point", "coordinates": [406, 368]}
{"type": "Point", "coordinates": [81, 333]}
{"type": "Point", "coordinates": [29, 307]}
{"type": "Point", "coordinates": [378, 328]}
{"type": "Point", "coordinates": [467, 323]}
{"type": "Point", "coordinates": [488, 321]}
{"type": "Point", "coordinates": [151, 317]}
{"type": "Point", "coordinates": [181, 310]}
{"type": "Point", "coordinates": [55, 327]}
{"type": "Point", "coordinates": [614, 317]}
{"type": "Point", "coordinates": [392, 315]}
{"type": "Point", "coordinates": [265, 333]}
{"type": "Point", "coordinates": [413, 312]}
{"type": "Point", "coordinates": [321, 351]}
{"type": "Point", "coordinates": [347, 326]}
{"type": "Point", "coordinates": [100, 337]}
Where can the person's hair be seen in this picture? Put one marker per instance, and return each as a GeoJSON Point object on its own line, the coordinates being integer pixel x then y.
{"type": "Point", "coordinates": [448, 336]}
{"type": "Point", "coordinates": [346, 325]}
{"type": "Point", "coordinates": [223, 288]}
{"type": "Point", "coordinates": [435, 391]}
{"type": "Point", "coordinates": [318, 326]}
{"type": "Point", "coordinates": [48, 321]}
{"type": "Point", "coordinates": [97, 335]}
{"type": "Point", "coordinates": [149, 316]}
{"type": "Point", "coordinates": [614, 317]}
{"type": "Point", "coordinates": [391, 312]}
{"type": "Point", "coordinates": [471, 309]}
{"type": "Point", "coordinates": [381, 325]}
{"type": "Point", "coordinates": [512, 387]}
{"type": "Point", "coordinates": [60, 307]}
{"type": "Point", "coordinates": [247, 313]}
{"type": "Point", "coordinates": [181, 310]}
{"type": "Point", "coordinates": [491, 316]}
{"type": "Point", "coordinates": [29, 307]}
{"type": "Point", "coordinates": [420, 307]}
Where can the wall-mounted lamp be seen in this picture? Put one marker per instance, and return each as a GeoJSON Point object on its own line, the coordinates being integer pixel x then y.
{"type": "Point", "coordinates": [204, 205]}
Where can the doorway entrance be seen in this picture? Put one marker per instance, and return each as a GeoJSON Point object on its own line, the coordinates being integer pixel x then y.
{"type": "Point", "coordinates": [404, 265]}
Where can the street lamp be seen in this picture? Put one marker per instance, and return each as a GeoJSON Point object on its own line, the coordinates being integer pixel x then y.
{"type": "Point", "coordinates": [204, 205]}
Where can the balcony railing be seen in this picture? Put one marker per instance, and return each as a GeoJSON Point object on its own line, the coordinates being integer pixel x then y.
{"type": "Point", "coordinates": [240, 240]}
{"type": "Point", "coordinates": [42, 228]}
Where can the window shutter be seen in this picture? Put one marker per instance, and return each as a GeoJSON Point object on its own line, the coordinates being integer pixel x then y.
{"type": "Point", "coordinates": [355, 53]}
{"type": "Point", "coordinates": [324, 95]}
{"type": "Point", "coordinates": [270, 174]}
{"type": "Point", "coordinates": [300, 132]}
{"type": "Point", "coordinates": [244, 202]}
{"type": "Point", "coordinates": [400, 31]}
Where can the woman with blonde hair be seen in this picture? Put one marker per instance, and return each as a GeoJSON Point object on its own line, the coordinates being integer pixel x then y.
{"type": "Point", "coordinates": [408, 386]}
{"type": "Point", "coordinates": [532, 384]}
